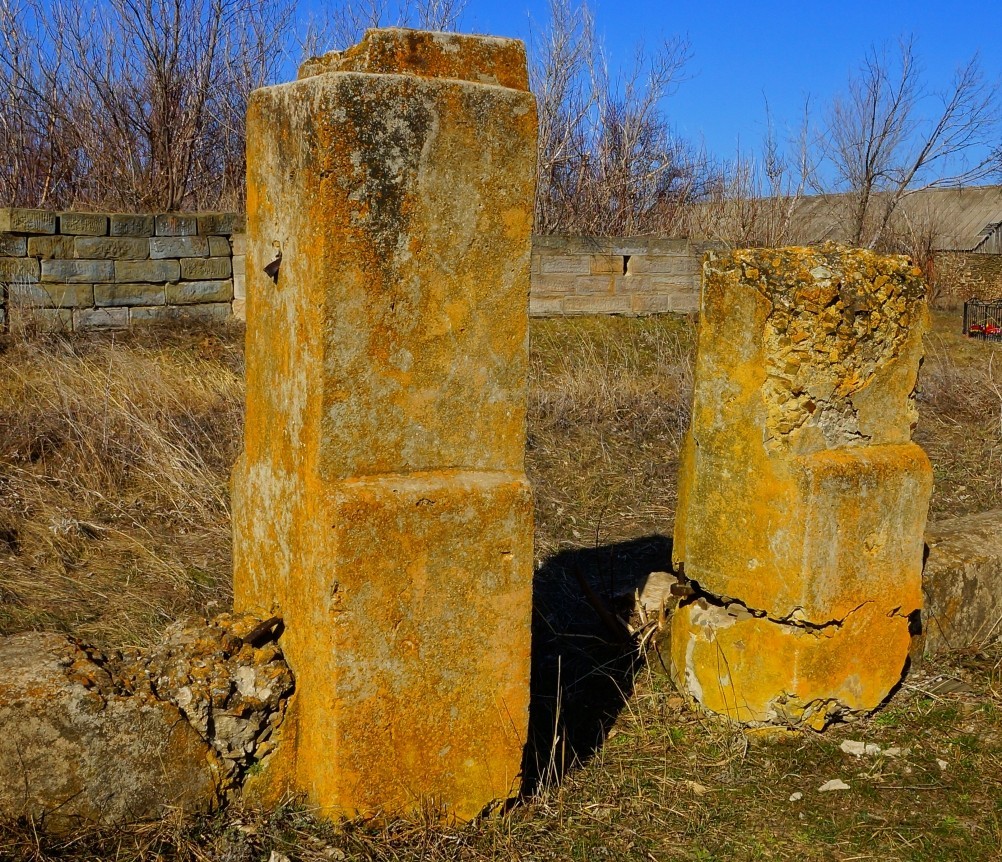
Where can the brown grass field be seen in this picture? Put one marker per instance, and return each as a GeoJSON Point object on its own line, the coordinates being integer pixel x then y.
{"type": "Point", "coordinates": [114, 459]}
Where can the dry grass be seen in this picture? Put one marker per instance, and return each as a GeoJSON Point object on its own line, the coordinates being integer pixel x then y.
{"type": "Point", "coordinates": [960, 405]}
{"type": "Point", "coordinates": [608, 407]}
{"type": "Point", "coordinates": [114, 455]}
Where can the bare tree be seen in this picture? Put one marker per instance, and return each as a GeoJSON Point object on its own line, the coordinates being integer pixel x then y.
{"type": "Point", "coordinates": [889, 135]}
{"type": "Point", "coordinates": [609, 161]}
{"type": "Point", "coordinates": [758, 197]}
{"type": "Point", "coordinates": [137, 104]}
{"type": "Point", "coordinates": [343, 24]}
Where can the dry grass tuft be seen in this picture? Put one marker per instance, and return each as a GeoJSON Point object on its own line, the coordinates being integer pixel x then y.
{"type": "Point", "coordinates": [114, 455]}
{"type": "Point", "coordinates": [960, 418]}
{"type": "Point", "coordinates": [608, 407]}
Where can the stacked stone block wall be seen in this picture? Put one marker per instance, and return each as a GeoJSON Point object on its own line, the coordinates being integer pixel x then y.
{"type": "Point", "coordinates": [962, 275]}
{"type": "Point", "coordinates": [96, 270]}
{"type": "Point", "coordinates": [76, 271]}
{"type": "Point", "coordinates": [633, 276]}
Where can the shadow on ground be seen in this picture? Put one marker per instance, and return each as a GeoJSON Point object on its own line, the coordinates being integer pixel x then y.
{"type": "Point", "coordinates": [582, 668]}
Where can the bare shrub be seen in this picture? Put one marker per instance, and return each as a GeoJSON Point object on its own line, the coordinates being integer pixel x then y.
{"type": "Point", "coordinates": [342, 25]}
{"type": "Point", "coordinates": [131, 105]}
{"type": "Point", "coordinates": [609, 162]}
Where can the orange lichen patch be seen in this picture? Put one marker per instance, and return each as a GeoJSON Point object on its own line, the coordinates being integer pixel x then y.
{"type": "Point", "coordinates": [800, 495]}
{"type": "Point", "coordinates": [398, 51]}
{"type": "Point", "coordinates": [380, 505]}
{"type": "Point", "coordinates": [768, 672]}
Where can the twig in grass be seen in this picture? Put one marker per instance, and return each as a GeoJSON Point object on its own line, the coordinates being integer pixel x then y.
{"type": "Point", "coordinates": [616, 627]}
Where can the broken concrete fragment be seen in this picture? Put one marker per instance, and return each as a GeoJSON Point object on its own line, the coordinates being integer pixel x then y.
{"type": "Point", "coordinates": [114, 739]}
{"type": "Point", "coordinates": [231, 691]}
{"type": "Point", "coordinates": [381, 503]}
{"type": "Point", "coordinates": [802, 499]}
{"type": "Point", "coordinates": [77, 747]}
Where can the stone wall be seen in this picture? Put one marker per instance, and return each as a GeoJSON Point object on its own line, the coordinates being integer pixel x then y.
{"type": "Point", "coordinates": [962, 275]}
{"type": "Point", "coordinates": [77, 271]}
{"type": "Point", "coordinates": [633, 276]}
{"type": "Point", "coordinates": [105, 271]}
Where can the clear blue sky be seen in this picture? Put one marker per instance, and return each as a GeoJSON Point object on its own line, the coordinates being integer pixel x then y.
{"type": "Point", "coordinates": [745, 51]}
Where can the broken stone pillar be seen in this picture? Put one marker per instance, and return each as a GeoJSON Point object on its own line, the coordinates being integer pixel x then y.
{"type": "Point", "coordinates": [802, 500]}
{"type": "Point", "coordinates": [381, 505]}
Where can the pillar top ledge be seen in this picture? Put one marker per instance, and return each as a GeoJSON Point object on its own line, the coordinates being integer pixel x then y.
{"type": "Point", "coordinates": [486, 60]}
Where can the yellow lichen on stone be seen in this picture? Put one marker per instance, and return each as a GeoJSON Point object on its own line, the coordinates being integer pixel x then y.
{"type": "Point", "coordinates": [380, 505]}
{"type": "Point", "coordinates": [801, 497]}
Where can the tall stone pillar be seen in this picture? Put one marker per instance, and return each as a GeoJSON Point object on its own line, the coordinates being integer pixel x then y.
{"type": "Point", "coordinates": [802, 500]}
{"type": "Point", "coordinates": [381, 505]}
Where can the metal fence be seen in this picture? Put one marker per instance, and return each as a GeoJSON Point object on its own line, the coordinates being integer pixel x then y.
{"type": "Point", "coordinates": [983, 319]}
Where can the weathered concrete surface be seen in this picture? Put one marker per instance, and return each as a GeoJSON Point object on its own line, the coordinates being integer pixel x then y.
{"type": "Point", "coordinates": [962, 582]}
{"type": "Point", "coordinates": [117, 738]}
{"type": "Point", "coordinates": [802, 499]}
{"type": "Point", "coordinates": [399, 51]}
{"type": "Point", "coordinates": [233, 692]}
{"type": "Point", "coordinates": [381, 505]}
{"type": "Point", "coordinates": [76, 747]}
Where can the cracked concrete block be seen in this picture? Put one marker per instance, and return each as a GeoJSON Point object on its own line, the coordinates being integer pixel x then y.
{"type": "Point", "coordinates": [768, 671]}
{"type": "Point", "coordinates": [77, 747]}
{"type": "Point", "coordinates": [380, 504]}
{"type": "Point", "coordinates": [801, 495]}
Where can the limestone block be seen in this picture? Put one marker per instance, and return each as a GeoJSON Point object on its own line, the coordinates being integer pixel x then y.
{"type": "Point", "coordinates": [221, 224]}
{"type": "Point", "coordinates": [189, 292]}
{"type": "Point", "coordinates": [27, 221]}
{"type": "Point", "coordinates": [663, 264]}
{"type": "Point", "coordinates": [178, 246]}
{"type": "Point", "coordinates": [53, 295]}
{"type": "Point", "coordinates": [239, 286]}
{"type": "Point", "coordinates": [130, 224]}
{"type": "Point", "coordinates": [598, 305]}
{"type": "Point", "coordinates": [419, 661]}
{"type": "Point", "coordinates": [147, 270]}
{"type": "Point", "coordinates": [21, 270]}
{"type": "Point", "coordinates": [546, 306]}
{"type": "Point", "coordinates": [219, 246]}
{"type": "Point", "coordinates": [78, 271]}
{"type": "Point", "coordinates": [684, 301]}
{"type": "Point", "coordinates": [140, 293]}
{"type": "Point", "coordinates": [607, 264]}
{"type": "Point", "coordinates": [112, 247]}
{"type": "Point", "coordinates": [100, 318]}
{"type": "Point", "coordinates": [83, 224]}
{"type": "Point", "coordinates": [205, 268]}
{"type": "Point", "coordinates": [653, 303]}
{"type": "Point", "coordinates": [778, 672]}
{"type": "Point", "coordinates": [239, 243]}
{"type": "Point", "coordinates": [962, 583]}
{"type": "Point", "coordinates": [217, 312]}
{"type": "Point", "coordinates": [75, 748]}
{"type": "Point", "coordinates": [12, 245]}
{"type": "Point", "coordinates": [801, 497]}
{"type": "Point", "coordinates": [49, 247]}
{"type": "Point", "coordinates": [380, 504]}
{"type": "Point", "coordinates": [392, 50]}
{"type": "Point", "coordinates": [239, 309]}
{"type": "Point", "coordinates": [565, 264]}
{"type": "Point", "coordinates": [174, 224]}
{"type": "Point", "coordinates": [554, 284]}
